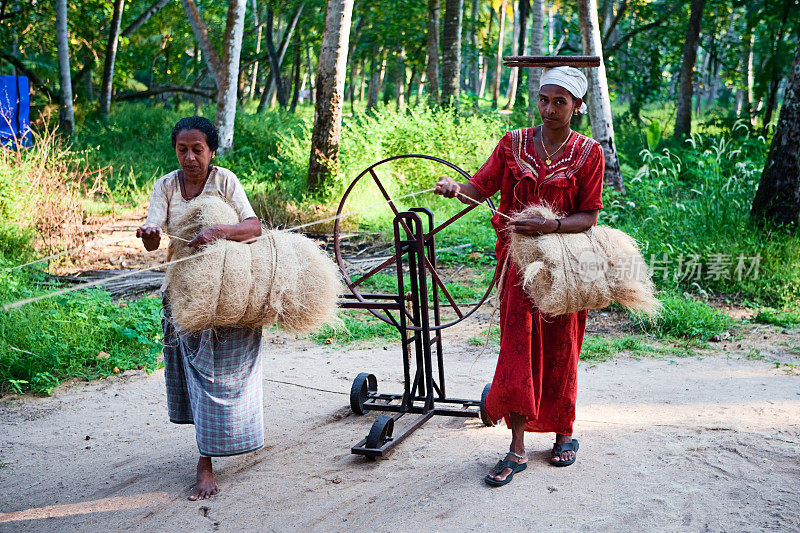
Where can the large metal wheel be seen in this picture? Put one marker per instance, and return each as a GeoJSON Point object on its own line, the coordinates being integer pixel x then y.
{"type": "Point", "coordinates": [381, 431]}
{"type": "Point", "coordinates": [487, 421]}
{"type": "Point", "coordinates": [359, 392]}
{"type": "Point", "coordinates": [355, 285]}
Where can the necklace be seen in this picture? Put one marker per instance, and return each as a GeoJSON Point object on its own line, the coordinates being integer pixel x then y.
{"type": "Point", "coordinates": [549, 155]}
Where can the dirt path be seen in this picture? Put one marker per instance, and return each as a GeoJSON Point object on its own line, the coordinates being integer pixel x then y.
{"type": "Point", "coordinates": [699, 443]}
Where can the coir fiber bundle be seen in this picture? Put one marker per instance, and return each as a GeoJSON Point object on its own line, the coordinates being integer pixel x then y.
{"type": "Point", "coordinates": [568, 272]}
{"type": "Point", "coordinates": [283, 277]}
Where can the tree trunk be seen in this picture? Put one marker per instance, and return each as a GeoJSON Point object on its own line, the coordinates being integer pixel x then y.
{"type": "Point", "coordinates": [296, 90]}
{"type": "Point", "coordinates": [274, 64]}
{"type": "Point", "coordinates": [775, 81]}
{"type": "Point", "coordinates": [66, 116]}
{"type": "Point", "coordinates": [157, 6]}
{"type": "Point", "coordinates": [474, 74]}
{"type": "Point", "coordinates": [501, 15]}
{"type": "Point", "coordinates": [698, 89]}
{"type": "Point", "coordinates": [524, 15]}
{"type": "Point", "coordinates": [451, 51]}
{"type": "Point", "coordinates": [778, 194]}
{"type": "Point", "coordinates": [254, 70]}
{"type": "Point", "coordinates": [363, 81]}
{"type": "Point", "coordinates": [287, 35]}
{"type": "Point", "coordinates": [433, 50]}
{"type": "Point", "coordinates": [111, 54]}
{"type": "Point", "coordinates": [331, 73]}
{"type": "Point", "coordinates": [374, 80]}
{"type": "Point", "coordinates": [311, 79]}
{"type": "Point", "coordinates": [268, 91]}
{"type": "Point", "coordinates": [511, 88]}
{"type": "Point", "coordinates": [598, 100]}
{"type": "Point", "coordinates": [227, 88]}
{"type": "Point", "coordinates": [744, 95]}
{"type": "Point", "coordinates": [537, 42]}
{"type": "Point", "coordinates": [201, 34]}
{"type": "Point", "coordinates": [400, 80]}
{"type": "Point", "coordinates": [683, 119]}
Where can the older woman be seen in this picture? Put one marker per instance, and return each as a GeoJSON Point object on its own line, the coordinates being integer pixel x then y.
{"type": "Point", "coordinates": [213, 377]}
{"type": "Point", "coordinates": [535, 382]}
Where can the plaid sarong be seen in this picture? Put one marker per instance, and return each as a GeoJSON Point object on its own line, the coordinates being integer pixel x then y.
{"type": "Point", "coordinates": [214, 382]}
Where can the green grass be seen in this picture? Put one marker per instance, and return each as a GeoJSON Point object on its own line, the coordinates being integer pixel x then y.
{"type": "Point", "coordinates": [786, 319]}
{"type": "Point", "coordinates": [47, 342]}
{"type": "Point", "coordinates": [357, 326]}
{"type": "Point", "coordinates": [483, 336]}
{"type": "Point", "coordinates": [685, 317]}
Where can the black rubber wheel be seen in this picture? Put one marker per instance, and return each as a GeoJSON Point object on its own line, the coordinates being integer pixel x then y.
{"type": "Point", "coordinates": [484, 416]}
{"type": "Point", "coordinates": [381, 431]}
{"type": "Point", "coordinates": [359, 392]}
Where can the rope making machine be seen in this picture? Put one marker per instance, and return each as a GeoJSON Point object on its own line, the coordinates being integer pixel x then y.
{"type": "Point", "coordinates": [417, 311]}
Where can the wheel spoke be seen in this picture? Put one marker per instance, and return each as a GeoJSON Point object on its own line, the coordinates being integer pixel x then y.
{"type": "Point", "coordinates": [390, 201]}
{"type": "Point", "coordinates": [450, 220]}
{"type": "Point", "coordinates": [437, 279]}
{"type": "Point", "coordinates": [374, 271]}
{"type": "Point", "coordinates": [383, 191]}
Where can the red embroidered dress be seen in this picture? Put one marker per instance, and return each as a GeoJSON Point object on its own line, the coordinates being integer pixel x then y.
{"type": "Point", "coordinates": [536, 372]}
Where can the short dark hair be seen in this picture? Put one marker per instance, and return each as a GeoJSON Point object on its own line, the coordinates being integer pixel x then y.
{"type": "Point", "coordinates": [197, 123]}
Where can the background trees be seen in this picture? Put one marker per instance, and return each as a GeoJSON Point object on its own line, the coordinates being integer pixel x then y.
{"type": "Point", "coordinates": [698, 58]}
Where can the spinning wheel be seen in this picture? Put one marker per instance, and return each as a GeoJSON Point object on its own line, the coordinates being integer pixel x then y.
{"type": "Point", "coordinates": [356, 285]}
{"type": "Point", "coordinates": [414, 309]}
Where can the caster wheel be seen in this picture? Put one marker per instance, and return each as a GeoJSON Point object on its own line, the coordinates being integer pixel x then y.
{"type": "Point", "coordinates": [381, 431]}
{"type": "Point", "coordinates": [359, 392]}
{"type": "Point", "coordinates": [484, 416]}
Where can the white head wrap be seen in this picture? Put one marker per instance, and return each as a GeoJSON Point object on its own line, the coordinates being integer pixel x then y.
{"type": "Point", "coordinates": [569, 78]}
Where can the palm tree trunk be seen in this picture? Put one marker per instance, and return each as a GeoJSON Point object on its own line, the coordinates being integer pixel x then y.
{"type": "Point", "coordinates": [683, 119]}
{"type": "Point", "coordinates": [598, 100]}
{"type": "Point", "coordinates": [111, 54]}
{"type": "Point", "coordinates": [331, 73]}
{"type": "Point", "coordinates": [433, 50]}
{"type": "Point", "coordinates": [778, 194]}
{"type": "Point", "coordinates": [66, 115]}
{"type": "Point", "coordinates": [451, 51]}
{"type": "Point", "coordinates": [537, 41]}
{"type": "Point", "coordinates": [229, 74]}
{"type": "Point", "coordinates": [501, 15]}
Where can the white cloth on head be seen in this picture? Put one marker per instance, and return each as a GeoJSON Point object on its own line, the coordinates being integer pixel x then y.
{"type": "Point", "coordinates": [569, 78]}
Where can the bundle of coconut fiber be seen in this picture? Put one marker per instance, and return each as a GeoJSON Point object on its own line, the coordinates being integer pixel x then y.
{"type": "Point", "coordinates": [568, 272]}
{"type": "Point", "coordinates": [282, 277]}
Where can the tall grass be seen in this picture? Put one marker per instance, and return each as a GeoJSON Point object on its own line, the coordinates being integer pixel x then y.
{"type": "Point", "coordinates": [44, 193]}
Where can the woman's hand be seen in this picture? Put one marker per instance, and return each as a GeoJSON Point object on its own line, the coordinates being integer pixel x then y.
{"type": "Point", "coordinates": [534, 226]}
{"type": "Point", "coordinates": [208, 236]}
{"type": "Point", "coordinates": [150, 235]}
{"type": "Point", "coordinates": [447, 187]}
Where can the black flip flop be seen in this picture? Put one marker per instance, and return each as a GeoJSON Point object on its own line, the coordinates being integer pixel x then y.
{"type": "Point", "coordinates": [502, 465]}
{"type": "Point", "coordinates": [558, 449]}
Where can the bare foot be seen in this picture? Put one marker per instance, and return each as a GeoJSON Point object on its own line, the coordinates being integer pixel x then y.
{"type": "Point", "coordinates": [566, 455]}
{"type": "Point", "coordinates": [206, 484]}
{"type": "Point", "coordinates": [500, 476]}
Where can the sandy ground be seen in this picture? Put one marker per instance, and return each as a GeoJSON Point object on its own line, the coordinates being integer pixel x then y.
{"type": "Point", "coordinates": [691, 444]}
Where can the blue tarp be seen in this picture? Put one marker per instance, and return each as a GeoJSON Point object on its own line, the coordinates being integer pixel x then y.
{"type": "Point", "coordinates": [15, 105]}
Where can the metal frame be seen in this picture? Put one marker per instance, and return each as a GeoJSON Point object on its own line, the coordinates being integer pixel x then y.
{"type": "Point", "coordinates": [354, 285]}
{"type": "Point", "coordinates": [424, 390]}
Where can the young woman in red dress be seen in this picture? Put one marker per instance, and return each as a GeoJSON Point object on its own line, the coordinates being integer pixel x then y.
{"type": "Point", "coordinates": [535, 382]}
